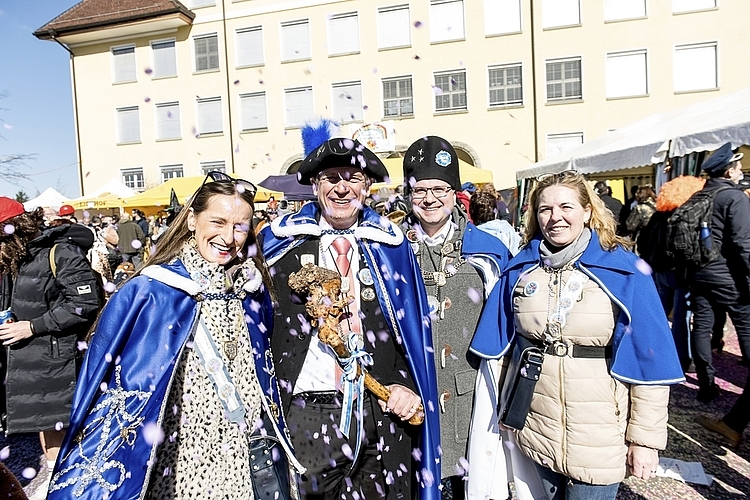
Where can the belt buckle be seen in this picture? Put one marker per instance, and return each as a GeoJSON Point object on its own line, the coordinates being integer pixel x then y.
{"type": "Point", "coordinates": [560, 348]}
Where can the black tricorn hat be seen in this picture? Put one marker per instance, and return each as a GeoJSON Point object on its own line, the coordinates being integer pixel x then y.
{"type": "Point", "coordinates": [341, 152]}
{"type": "Point", "coordinates": [431, 157]}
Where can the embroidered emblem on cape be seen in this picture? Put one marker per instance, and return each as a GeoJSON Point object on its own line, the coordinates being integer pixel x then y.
{"type": "Point", "coordinates": [84, 289]}
{"type": "Point", "coordinates": [202, 281]}
{"type": "Point", "coordinates": [530, 288]}
{"type": "Point", "coordinates": [306, 258]}
{"type": "Point", "coordinates": [368, 294]}
{"type": "Point", "coordinates": [123, 410]}
{"type": "Point", "coordinates": [443, 158]}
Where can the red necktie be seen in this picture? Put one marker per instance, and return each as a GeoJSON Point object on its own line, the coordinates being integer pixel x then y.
{"type": "Point", "coordinates": [344, 265]}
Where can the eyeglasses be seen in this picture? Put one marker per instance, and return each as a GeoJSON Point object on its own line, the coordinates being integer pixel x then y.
{"type": "Point", "coordinates": [355, 178]}
{"type": "Point", "coordinates": [438, 192]}
{"type": "Point", "coordinates": [241, 184]}
{"type": "Point", "coordinates": [558, 175]}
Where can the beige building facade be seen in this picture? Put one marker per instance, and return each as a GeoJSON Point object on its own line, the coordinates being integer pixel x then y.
{"type": "Point", "coordinates": [182, 88]}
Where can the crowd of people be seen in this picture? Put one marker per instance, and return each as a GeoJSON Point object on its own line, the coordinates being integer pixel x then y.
{"type": "Point", "coordinates": [410, 344]}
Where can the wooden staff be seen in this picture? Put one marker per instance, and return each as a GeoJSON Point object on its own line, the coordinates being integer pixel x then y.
{"type": "Point", "coordinates": [326, 304]}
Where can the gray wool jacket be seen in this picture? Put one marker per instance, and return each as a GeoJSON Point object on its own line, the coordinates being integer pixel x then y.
{"type": "Point", "coordinates": [462, 296]}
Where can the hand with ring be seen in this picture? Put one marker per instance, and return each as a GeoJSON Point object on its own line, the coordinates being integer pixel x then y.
{"type": "Point", "coordinates": [403, 403]}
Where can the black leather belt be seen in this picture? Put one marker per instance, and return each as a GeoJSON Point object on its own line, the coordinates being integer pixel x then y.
{"type": "Point", "coordinates": [559, 348]}
{"type": "Point", "coordinates": [321, 398]}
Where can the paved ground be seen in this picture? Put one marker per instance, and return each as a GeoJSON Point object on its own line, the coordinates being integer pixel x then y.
{"type": "Point", "coordinates": [687, 441]}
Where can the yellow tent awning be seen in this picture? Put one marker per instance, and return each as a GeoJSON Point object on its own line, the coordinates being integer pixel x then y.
{"type": "Point", "coordinates": [468, 173]}
{"type": "Point", "coordinates": [157, 198]}
{"type": "Point", "coordinates": [104, 200]}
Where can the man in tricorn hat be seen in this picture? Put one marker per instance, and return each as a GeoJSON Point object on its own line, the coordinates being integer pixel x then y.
{"type": "Point", "coordinates": [386, 326]}
{"type": "Point", "coordinates": [459, 265]}
{"type": "Point", "coordinates": [724, 283]}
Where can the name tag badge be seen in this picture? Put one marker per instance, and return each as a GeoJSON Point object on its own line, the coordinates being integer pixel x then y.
{"type": "Point", "coordinates": [306, 258]}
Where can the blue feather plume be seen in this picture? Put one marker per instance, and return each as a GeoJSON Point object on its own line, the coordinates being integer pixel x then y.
{"type": "Point", "coordinates": [316, 133]}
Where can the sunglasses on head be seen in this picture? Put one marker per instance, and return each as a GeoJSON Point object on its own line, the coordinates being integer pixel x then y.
{"type": "Point", "coordinates": [241, 184]}
{"type": "Point", "coordinates": [558, 175]}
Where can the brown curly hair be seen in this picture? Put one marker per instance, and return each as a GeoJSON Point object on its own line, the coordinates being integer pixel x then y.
{"type": "Point", "coordinates": [16, 233]}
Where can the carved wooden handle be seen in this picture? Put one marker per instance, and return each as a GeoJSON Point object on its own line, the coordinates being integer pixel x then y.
{"type": "Point", "coordinates": [325, 304]}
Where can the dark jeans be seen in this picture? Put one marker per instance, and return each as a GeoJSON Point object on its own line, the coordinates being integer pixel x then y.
{"type": "Point", "coordinates": [707, 300]}
{"type": "Point", "coordinates": [739, 416]}
{"type": "Point", "coordinates": [673, 300]}
{"type": "Point", "coordinates": [559, 487]}
{"type": "Point", "coordinates": [327, 454]}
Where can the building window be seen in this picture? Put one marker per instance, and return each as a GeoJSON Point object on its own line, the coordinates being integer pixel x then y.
{"type": "Point", "coordinates": [200, 3]}
{"type": "Point", "coordinates": [343, 34]}
{"type": "Point", "coordinates": [250, 46]}
{"type": "Point", "coordinates": [564, 79]}
{"type": "Point", "coordinates": [298, 104]}
{"type": "Point", "coordinates": [679, 6]}
{"type": "Point", "coordinates": [347, 102]}
{"type": "Point", "coordinates": [695, 67]}
{"type": "Point", "coordinates": [560, 143]}
{"type": "Point", "coordinates": [394, 27]}
{"type": "Point", "coordinates": [295, 40]}
{"type": "Point", "coordinates": [168, 121]}
{"type": "Point", "coordinates": [128, 125]}
{"type": "Point", "coordinates": [502, 17]}
{"type": "Point", "coordinates": [170, 172]}
{"type": "Point", "coordinates": [206, 52]}
{"type": "Point", "coordinates": [626, 74]}
{"type": "Point", "coordinates": [450, 91]}
{"type": "Point", "coordinates": [560, 13]}
{"type": "Point", "coordinates": [209, 116]}
{"type": "Point", "coordinates": [123, 64]}
{"type": "Point", "coordinates": [210, 166]}
{"type": "Point", "coordinates": [505, 86]}
{"type": "Point", "coordinates": [253, 112]}
{"type": "Point", "coordinates": [446, 20]}
{"type": "Point", "coordinates": [398, 97]}
{"type": "Point", "coordinates": [165, 58]}
{"type": "Point", "coordinates": [617, 10]}
{"type": "Point", "coordinates": [133, 178]}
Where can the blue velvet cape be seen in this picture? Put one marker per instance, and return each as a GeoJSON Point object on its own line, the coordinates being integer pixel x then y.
{"type": "Point", "coordinates": [642, 343]}
{"type": "Point", "coordinates": [139, 339]}
{"type": "Point", "coordinates": [403, 299]}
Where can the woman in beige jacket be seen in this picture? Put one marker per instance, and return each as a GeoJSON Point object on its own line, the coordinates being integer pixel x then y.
{"type": "Point", "coordinates": [599, 409]}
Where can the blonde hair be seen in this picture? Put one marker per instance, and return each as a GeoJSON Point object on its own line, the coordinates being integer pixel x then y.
{"type": "Point", "coordinates": [602, 221]}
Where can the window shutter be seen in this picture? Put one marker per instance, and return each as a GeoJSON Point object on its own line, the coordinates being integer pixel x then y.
{"type": "Point", "coordinates": [295, 40]}
{"type": "Point", "coordinates": [343, 34]}
{"type": "Point", "coordinates": [558, 13]}
{"type": "Point", "coordinates": [347, 101]}
{"type": "Point", "coordinates": [168, 121]}
{"type": "Point", "coordinates": [502, 16]}
{"type": "Point", "coordinates": [299, 106]}
{"type": "Point", "coordinates": [209, 116]}
{"type": "Point", "coordinates": [123, 59]}
{"type": "Point", "coordinates": [394, 28]}
{"type": "Point", "coordinates": [128, 124]}
{"type": "Point", "coordinates": [446, 20]}
{"type": "Point", "coordinates": [626, 74]}
{"type": "Point", "coordinates": [695, 67]}
{"type": "Point", "coordinates": [165, 60]}
{"type": "Point", "coordinates": [253, 112]}
{"type": "Point", "coordinates": [250, 46]}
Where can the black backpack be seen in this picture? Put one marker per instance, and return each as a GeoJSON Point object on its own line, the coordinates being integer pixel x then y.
{"type": "Point", "coordinates": [652, 242]}
{"type": "Point", "coordinates": [685, 245]}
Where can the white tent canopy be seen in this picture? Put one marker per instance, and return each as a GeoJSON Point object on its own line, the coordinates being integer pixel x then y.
{"type": "Point", "coordinates": [113, 186]}
{"type": "Point", "coordinates": [700, 127]}
{"type": "Point", "coordinates": [48, 199]}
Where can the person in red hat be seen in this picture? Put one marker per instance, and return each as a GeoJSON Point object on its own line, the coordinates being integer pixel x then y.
{"type": "Point", "coordinates": [67, 212]}
{"type": "Point", "coordinates": [47, 283]}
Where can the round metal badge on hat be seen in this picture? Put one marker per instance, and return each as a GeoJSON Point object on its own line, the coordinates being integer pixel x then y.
{"type": "Point", "coordinates": [443, 158]}
{"type": "Point", "coordinates": [365, 277]}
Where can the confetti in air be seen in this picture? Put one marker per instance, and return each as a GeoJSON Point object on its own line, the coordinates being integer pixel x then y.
{"type": "Point", "coordinates": [29, 473]}
{"type": "Point", "coordinates": [136, 244]}
{"type": "Point", "coordinates": [148, 71]}
{"type": "Point", "coordinates": [9, 229]}
{"type": "Point", "coordinates": [643, 267]}
{"type": "Point", "coordinates": [147, 99]}
{"type": "Point", "coordinates": [417, 24]}
{"type": "Point", "coordinates": [5, 453]}
{"type": "Point", "coordinates": [153, 434]}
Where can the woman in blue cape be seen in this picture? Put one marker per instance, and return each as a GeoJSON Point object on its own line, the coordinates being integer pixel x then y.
{"type": "Point", "coordinates": [178, 374]}
{"type": "Point", "coordinates": [589, 308]}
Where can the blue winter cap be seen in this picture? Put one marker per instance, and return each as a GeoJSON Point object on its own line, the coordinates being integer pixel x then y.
{"type": "Point", "coordinates": [468, 186]}
{"type": "Point", "coordinates": [720, 159]}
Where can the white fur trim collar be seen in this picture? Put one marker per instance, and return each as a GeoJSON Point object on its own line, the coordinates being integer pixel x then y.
{"type": "Point", "coordinates": [171, 278]}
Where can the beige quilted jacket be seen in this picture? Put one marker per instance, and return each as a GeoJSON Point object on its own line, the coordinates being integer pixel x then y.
{"type": "Point", "coordinates": [581, 419]}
